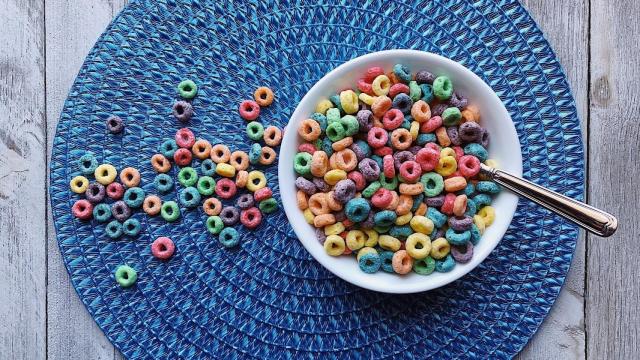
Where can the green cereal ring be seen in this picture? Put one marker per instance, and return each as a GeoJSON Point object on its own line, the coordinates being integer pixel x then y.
{"type": "Point", "coordinates": [170, 211]}
{"type": "Point", "coordinates": [88, 164]}
{"type": "Point", "coordinates": [131, 227]}
{"type": "Point", "coordinates": [442, 88]}
{"type": "Point", "coordinates": [381, 229]}
{"type": "Point", "coordinates": [302, 163]}
{"type": "Point", "coordinates": [350, 124]}
{"type": "Point", "coordinates": [208, 167]}
{"type": "Point", "coordinates": [255, 131]}
{"type": "Point", "coordinates": [229, 237]}
{"type": "Point", "coordinates": [389, 184]}
{"type": "Point", "coordinates": [254, 153]}
{"type": "Point", "coordinates": [102, 212]}
{"type": "Point", "coordinates": [187, 176]}
{"type": "Point", "coordinates": [451, 116]}
{"type": "Point", "coordinates": [206, 185]}
{"type": "Point", "coordinates": [333, 115]}
{"type": "Point", "coordinates": [424, 266]}
{"type": "Point", "coordinates": [126, 276]}
{"type": "Point", "coordinates": [268, 206]}
{"type": "Point", "coordinates": [336, 131]}
{"type": "Point", "coordinates": [415, 92]}
{"type": "Point", "coordinates": [214, 224]}
{"type": "Point", "coordinates": [433, 184]}
{"type": "Point", "coordinates": [114, 229]}
{"type": "Point", "coordinates": [371, 189]}
{"type": "Point", "coordinates": [134, 197]}
{"type": "Point", "coordinates": [190, 197]}
{"type": "Point", "coordinates": [187, 89]}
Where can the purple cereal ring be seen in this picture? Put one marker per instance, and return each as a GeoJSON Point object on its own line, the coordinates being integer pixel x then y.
{"type": "Point", "coordinates": [435, 201]}
{"type": "Point", "coordinates": [229, 215]}
{"type": "Point", "coordinates": [452, 132]}
{"type": "Point", "coordinates": [344, 191]}
{"type": "Point", "coordinates": [458, 101]}
{"type": "Point", "coordinates": [305, 185]}
{"type": "Point", "coordinates": [360, 155]}
{"type": "Point", "coordinates": [182, 111]}
{"type": "Point", "coordinates": [368, 223]}
{"type": "Point", "coordinates": [438, 109]}
{"type": "Point", "coordinates": [460, 224]}
{"type": "Point", "coordinates": [414, 149]}
{"type": "Point", "coordinates": [402, 156]}
{"type": "Point", "coordinates": [484, 138]}
{"type": "Point", "coordinates": [438, 234]}
{"type": "Point", "coordinates": [369, 169]}
{"type": "Point", "coordinates": [470, 132]}
{"type": "Point", "coordinates": [321, 185]}
{"type": "Point", "coordinates": [114, 124]}
{"type": "Point", "coordinates": [120, 210]}
{"type": "Point", "coordinates": [245, 201]}
{"type": "Point", "coordinates": [365, 120]}
{"type": "Point", "coordinates": [424, 77]}
{"type": "Point", "coordinates": [340, 215]}
{"type": "Point", "coordinates": [462, 254]}
{"type": "Point", "coordinates": [320, 235]}
{"type": "Point", "coordinates": [95, 193]}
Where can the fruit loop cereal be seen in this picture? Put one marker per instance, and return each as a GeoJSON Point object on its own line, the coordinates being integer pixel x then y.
{"type": "Point", "coordinates": [389, 172]}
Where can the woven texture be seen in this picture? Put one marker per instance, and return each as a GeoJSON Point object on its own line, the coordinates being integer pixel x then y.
{"type": "Point", "coordinates": [269, 298]}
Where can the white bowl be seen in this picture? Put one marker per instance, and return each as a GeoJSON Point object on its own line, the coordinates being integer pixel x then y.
{"type": "Point", "coordinates": [504, 148]}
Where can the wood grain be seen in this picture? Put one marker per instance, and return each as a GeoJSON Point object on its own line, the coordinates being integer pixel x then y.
{"type": "Point", "coordinates": [562, 334]}
{"type": "Point", "coordinates": [72, 26]}
{"type": "Point", "coordinates": [613, 285]}
{"type": "Point", "coordinates": [22, 181]}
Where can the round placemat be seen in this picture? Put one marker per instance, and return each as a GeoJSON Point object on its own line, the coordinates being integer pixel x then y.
{"type": "Point", "coordinates": [269, 298]}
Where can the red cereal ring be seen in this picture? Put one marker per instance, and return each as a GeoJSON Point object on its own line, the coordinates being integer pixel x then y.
{"type": "Point", "coordinates": [383, 151]}
{"type": "Point", "coordinates": [162, 248]}
{"type": "Point", "coordinates": [410, 171]}
{"type": "Point", "coordinates": [447, 207]}
{"type": "Point", "coordinates": [372, 73]}
{"type": "Point", "coordinates": [365, 87]}
{"type": "Point", "coordinates": [262, 194]}
{"type": "Point", "coordinates": [182, 157]}
{"type": "Point", "coordinates": [392, 119]}
{"type": "Point", "coordinates": [397, 89]}
{"type": "Point", "coordinates": [431, 125]}
{"type": "Point", "coordinates": [225, 188]}
{"type": "Point", "coordinates": [185, 138]}
{"type": "Point", "coordinates": [388, 167]}
{"type": "Point", "coordinates": [427, 158]}
{"type": "Point", "coordinates": [307, 147]}
{"type": "Point", "coordinates": [82, 209]}
{"type": "Point", "coordinates": [115, 191]}
{"type": "Point", "coordinates": [377, 137]}
{"type": "Point", "coordinates": [382, 198]}
{"type": "Point", "coordinates": [358, 179]}
{"type": "Point", "coordinates": [251, 218]}
{"type": "Point", "coordinates": [459, 152]}
{"type": "Point", "coordinates": [249, 110]}
{"type": "Point", "coordinates": [468, 165]}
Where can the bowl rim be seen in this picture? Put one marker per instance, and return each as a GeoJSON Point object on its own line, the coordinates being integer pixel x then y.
{"type": "Point", "coordinates": [286, 159]}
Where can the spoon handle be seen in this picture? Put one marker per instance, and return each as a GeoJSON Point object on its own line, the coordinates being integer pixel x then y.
{"type": "Point", "coordinates": [596, 221]}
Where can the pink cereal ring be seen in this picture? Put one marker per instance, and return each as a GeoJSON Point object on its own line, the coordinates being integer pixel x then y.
{"type": "Point", "coordinates": [455, 174]}
{"type": "Point", "coordinates": [469, 166]}
{"type": "Point", "coordinates": [431, 125]}
{"type": "Point", "coordinates": [377, 137]}
{"type": "Point", "coordinates": [381, 198]}
{"type": "Point", "coordinates": [365, 87]}
{"type": "Point", "coordinates": [251, 217]}
{"type": "Point", "coordinates": [249, 110]}
{"type": "Point", "coordinates": [163, 248]}
{"type": "Point", "coordinates": [383, 151]}
{"type": "Point", "coordinates": [410, 171]}
{"type": "Point", "coordinates": [381, 105]}
{"type": "Point", "coordinates": [225, 188]}
{"type": "Point", "coordinates": [447, 207]}
{"type": "Point", "coordinates": [372, 73]}
{"type": "Point", "coordinates": [185, 138]}
{"type": "Point", "coordinates": [115, 191]}
{"type": "Point", "coordinates": [427, 158]}
{"type": "Point", "coordinates": [459, 152]}
{"type": "Point", "coordinates": [420, 111]}
{"type": "Point", "coordinates": [397, 89]}
{"type": "Point", "coordinates": [307, 147]}
{"type": "Point", "coordinates": [82, 209]}
{"type": "Point", "coordinates": [358, 179]}
{"type": "Point", "coordinates": [401, 262]}
{"type": "Point", "coordinates": [182, 157]}
{"type": "Point", "coordinates": [392, 119]}
{"type": "Point", "coordinates": [262, 194]}
{"type": "Point", "coordinates": [433, 146]}
{"type": "Point", "coordinates": [388, 167]}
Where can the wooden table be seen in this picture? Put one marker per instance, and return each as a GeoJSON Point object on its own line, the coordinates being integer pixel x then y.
{"type": "Point", "coordinates": [43, 44]}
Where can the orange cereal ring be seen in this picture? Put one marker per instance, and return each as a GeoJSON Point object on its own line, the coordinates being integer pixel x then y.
{"type": "Point", "coordinates": [263, 96]}
{"type": "Point", "coordinates": [442, 136]}
{"type": "Point", "coordinates": [267, 156]}
{"type": "Point", "coordinates": [460, 205]}
{"type": "Point", "coordinates": [421, 210]}
{"type": "Point", "coordinates": [332, 161]}
{"type": "Point", "coordinates": [405, 202]}
{"type": "Point", "coordinates": [201, 149]}
{"type": "Point", "coordinates": [220, 154]}
{"type": "Point", "coordinates": [239, 160]}
{"type": "Point", "coordinates": [334, 205]}
{"type": "Point", "coordinates": [212, 206]}
{"type": "Point", "coordinates": [346, 160]}
{"type": "Point", "coordinates": [342, 144]}
{"type": "Point", "coordinates": [395, 200]}
{"type": "Point", "coordinates": [420, 111]}
{"type": "Point", "coordinates": [471, 113]}
{"type": "Point", "coordinates": [242, 177]}
{"type": "Point", "coordinates": [319, 163]}
{"type": "Point", "coordinates": [272, 136]}
{"type": "Point", "coordinates": [324, 220]}
{"type": "Point", "coordinates": [392, 77]}
{"type": "Point", "coordinates": [401, 139]}
{"type": "Point", "coordinates": [160, 163]}
{"type": "Point", "coordinates": [318, 204]}
{"type": "Point", "coordinates": [380, 106]}
{"type": "Point", "coordinates": [455, 183]}
{"type": "Point", "coordinates": [302, 200]}
{"type": "Point", "coordinates": [401, 262]}
{"type": "Point", "coordinates": [411, 189]}
{"type": "Point", "coordinates": [377, 122]}
{"type": "Point", "coordinates": [130, 177]}
{"type": "Point", "coordinates": [152, 205]}
{"type": "Point", "coordinates": [309, 130]}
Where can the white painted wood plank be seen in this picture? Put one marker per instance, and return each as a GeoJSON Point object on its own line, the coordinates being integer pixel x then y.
{"type": "Point", "coordinates": [22, 181]}
{"type": "Point", "coordinates": [72, 27]}
{"type": "Point", "coordinates": [562, 335]}
{"type": "Point", "coordinates": [613, 284]}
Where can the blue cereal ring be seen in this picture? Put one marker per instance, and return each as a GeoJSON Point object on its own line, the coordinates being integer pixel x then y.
{"type": "Point", "coordinates": [190, 197]}
{"type": "Point", "coordinates": [475, 234]}
{"type": "Point", "coordinates": [402, 72]}
{"type": "Point", "coordinates": [114, 229]}
{"type": "Point", "coordinates": [438, 218]}
{"type": "Point", "coordinates": [427, 93]}
{"type": "Point", "coordinates": [254, 153]}
{"type": "Point", "coordinates": [488, 187]}
{"type": "Point", "coordinates": [208, 167]}
{"type": "Point", "coordinates": [335, 99]}
{"type": "Point", "coordinates": [472, 209]}
{"type": "Point", "coordinates": [403, 103]}
{"type": "Point", "coordinates": [370, 263]}
{"type": "Point", "coordinates": [163, 183]}
{"type": "Point", "coordinates": [364, 147]}
{"type": "Point", "coordinates": [385, 218]}
{"type": "Point", "coordinates": [377, 159]}
{"type": "Point", "coordinates": [131, 227]}
{"type": "Point", "coordinates": [380, 229]}
{"type": "Point", "coordinates": [477, 150]}
{"type": "Point", "coordinates": [102, 212]}
{"type": "Point", "coordinates": [327, 146]}
{"type": "Point", "coordinates": [400, 231]}
{"type": "Point", "coordinates": [445, 265]}
{"type": "Point", "coordinates": [229, 237]}
{"type": "Point", "coordinates": [482, 200]}
{"type": "Point", "coordinates": [417, 200]}
{"type": "Point", "coordinates": [386, 261]}
{"type": "Point", "coordinates": [134, 197]}
{"type": "Point", "coordinates": [168, 148]}
{"type": "Point", "coordinates": [457, 238]}
{"type": "Point", "coordinates": [357, 209]}
{"type": "Point", "coordinates": [88, 164]}
{"type": "Point", "coordinates": [469, 190]}
{"type": "Point", "coordinates": [320, 119]}
{"type": "Point", "coordinates": [423, 139]}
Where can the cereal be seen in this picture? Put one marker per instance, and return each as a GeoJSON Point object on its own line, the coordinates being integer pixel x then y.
{"type": "Point", "coordinates": [249, 110]}
{"type": "Point", "coordinates": [226, 188]}
{"type": "Point", "coordinates": [185, 138]}
{"type": "Point", "coordinates": [163, 248]}
{"type": "Point", "coordinates": [402, 263]}
{"type": "Point", "coordinates": [134, 197]}
{"type": "Point", "coordinates": [268, 206]}
{"type": "Point", "coordinates": [240, 160]}
{"type": "Point", "coordinates": [182, 157]}
{"type": "Point", "coordinates": [254, 153]}
{"type": "Point", "coordinates": [242, 177]}
{"type": "Point", "coordinates": [229, 237]}
{"type": "Point", "coordinates": [152, 205]}
{"type": "Point", "coordinates": [213, 206]}
{"type": "Point", "coordinates": [262, 194]}
{"type": "Point", "coordinates": [182, 110]}
{"type": "Point", "coordinates": [79, 184]}
{"type": "Point", "coordinates": [105, 174]}
{"type": "Point", "coordinates": [113, 229]}
{"type": "Point", "coordinates": [272, 136]}
{"type": "Point", "coordinates": [255, 131]}
{"type": "Point", "coordinates": [244, 201]}
{"type": "Point", "coordinates": [201, 149]}
{"type": "Point", "coordinates": [130, 177]}
{"type": "Point", "coordinates": [230, 215]}
{"type": "Point", "coordinates": [226, 170]}
{"type": "Point", "coordinates": [160, 163]}
{"type": "Point", "coordinates": [131, 227]}
{"type": "Point", "coordinates": [87, 164]}
{"type": "Point", "coordinates": [267, 156]}
{"type": "Point", "coordinates": [220, 154]}
{"type": "Point", "coordinates": [214, 225]}
{"type": "Point", "coordinates": [114, 124]}
{"type": "Point", "coordinates": [168, 148]}
{"type": "Point", "coordinates": [82, 209]}
{"type": "Point", "coordinates": [263, 96]}
{"type": "Point", "coordinates": [120, 210]}
{"type": "Point", "coordinates": [187, 89]}
{"type": "Point", "coordinates": [162, 182]}
{"type": "Point", "coordinates": [126, 276]}
{"type": "Point", "coordinates": [256, 180]}
{"type": "Point", "coordinates": [206, 185]}
{"type": "Point", "coordinates": [170, 211]}
{"type": "Point", "coordinates": [102, 212]}
{"type": "Point", "coordinates": [251, 217]}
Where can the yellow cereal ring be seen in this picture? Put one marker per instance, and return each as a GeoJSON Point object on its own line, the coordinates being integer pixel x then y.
{"type": "Point", "coordinates": [334, 245]}
{"type": "Point", "coordinates": [323, 106]}
{"type": "Point", "coordinates": [105, 174]}
{"type": "Point", "coordinates": [366, 98]}
{"type": "Point", "coordinates": [356, 239]}
{"type": "Point", "coordinates": [418, 245]}
{"type": "Point", "coordinates": [479, 221]}
{"type": "Point", "coordinates": [225, 170]}
{"type": "Point", "coordinates": [447, 165]}
{"type": "Point", "coordinates": [388, 242]}
{"type": "Point", "coordinates": [381, 85]}
{"type": "Point", "coordinates": [349, 101]}
{"type": "Point", "coordinates": [422, 224]}
{"type": "Point", "coordinates": [308, 216]}
{"type": "Point", "coordinates": [447, 151]}
{"type": "Point", "coordinates": [488, 214]}
{"type": "Point", "coordinates": [79, 184]}
{"type": "Point", "coordinates": [363, 251]}
{"type": "Point", "coordinates": [372, 238]}
{"type": "Point", "coordinates": [333, 176]}
{"type": "Point", "coordinates": [404, 219]}
{"type": "Point", "coordinates": [334, 229]}
{"type": "Point", "coordinates": [414, 130]}
{"type": "Point", "coordinates": [440, 248]}
{"type": "Point", "coordinates": [489, 162]}
{"type": "Point", "coordinates": [256, 180]}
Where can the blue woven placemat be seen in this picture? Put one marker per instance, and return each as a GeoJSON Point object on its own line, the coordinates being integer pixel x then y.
{"type": "Point", "coordinates": [269, 298]}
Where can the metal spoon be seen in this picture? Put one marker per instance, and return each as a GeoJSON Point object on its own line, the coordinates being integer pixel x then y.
{"type": "Point", "coordinates": [594, 220]}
